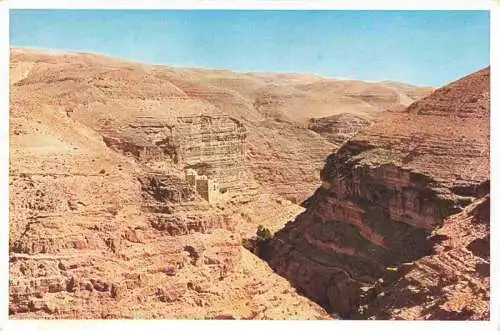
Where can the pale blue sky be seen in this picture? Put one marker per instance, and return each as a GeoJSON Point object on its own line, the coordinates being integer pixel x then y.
{"type": "Point", "coordinates": [417, 47]}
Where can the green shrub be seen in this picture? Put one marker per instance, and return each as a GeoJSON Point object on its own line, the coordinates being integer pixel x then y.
{"type": "Point", "coordinates": [255, 244]}
{"type": "Point", "coordinates": [263, 234]}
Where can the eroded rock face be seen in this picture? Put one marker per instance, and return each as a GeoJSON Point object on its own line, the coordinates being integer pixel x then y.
{"type": "Point", "coordinates": [167, 188]}
{"type": "Point", "coordinates": [453, 283]}
{"type": "Point", "coordinates": [100, 232]}
{"type": "Point", "coordinates": [213, 146]}
{"type": "Point", "coordinates": [383, 194]}
{"type": "Point", "coordinates": [109, 95]}
{"type": "Point", "coordinates": [127, 243]}
{"type": "Point", "coordinates": [339, 128]}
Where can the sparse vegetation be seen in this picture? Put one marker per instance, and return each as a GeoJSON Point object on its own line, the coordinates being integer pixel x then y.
{"type": "Point", "coordinates": [378, 156]}
{"type": "Point", "coordinates": [257, 243]}
{"type": "Point", "coordinates": [263, 234]}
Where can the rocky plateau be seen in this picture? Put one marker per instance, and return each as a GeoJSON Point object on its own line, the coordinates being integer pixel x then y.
{"type": "Point", "coordinates": [108, 219]}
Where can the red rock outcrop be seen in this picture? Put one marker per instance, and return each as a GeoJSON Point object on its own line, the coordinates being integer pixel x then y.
{"type": "Point", "coordinates": [103, 224]}
{"type": "Point", "coordinates": [451, 284]}
{"type": "Point", "coordinates": [98, 233]}
{"type": "Point", "coordinates": [384, 192]}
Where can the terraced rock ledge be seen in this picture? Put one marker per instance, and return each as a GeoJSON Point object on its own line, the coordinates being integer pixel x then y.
{"type": "Point", "coordinates": [384, 196]}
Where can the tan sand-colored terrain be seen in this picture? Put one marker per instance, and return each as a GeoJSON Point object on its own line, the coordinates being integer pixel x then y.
{"type": "Point", "coordinates": [104, 220]}
{"type": "Point", "coordinates": [399, 227]}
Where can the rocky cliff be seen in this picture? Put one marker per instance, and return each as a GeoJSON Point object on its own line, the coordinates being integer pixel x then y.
{"type": "Point", "coordinates": [339, 128]}
{"type": "Point", "coordinates": [96, 234]}
{"type": "Point", "coordinates": [109, 95]}
{"type": "Point", "coordinates": [100, 232]}
{"type": "Point", "coordinates": [451, 284]}
{"type": "Point", "coordinates": [384, 193]}
{"type": "Point", "coordinates": [213, 146]}
{"type": "Point", "coordinates": [103, 222]}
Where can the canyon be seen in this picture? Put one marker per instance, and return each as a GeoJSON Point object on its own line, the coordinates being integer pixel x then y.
{"type": "Point", "coordinates": [133, 187]}
{"type": "Point", "coordinates": [389, 196]}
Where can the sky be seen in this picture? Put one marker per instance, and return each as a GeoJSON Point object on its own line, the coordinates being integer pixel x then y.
{"type": "Point", "coordinates": [425, 48]}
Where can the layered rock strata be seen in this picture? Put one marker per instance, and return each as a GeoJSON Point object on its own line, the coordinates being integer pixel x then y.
{"type": "Point", "coordinates": [339, 128]}
{"type": "Point", "coordinates": [451, 284]}
{"type": "Point", "coordinates": [105, 94]}
{"type": "Point", "coordinates": [99, 232]}
{"type": "Point", "coordinates": [114, 240]}
{"type": "Point", "coordinates": [384, 192]}
{"type": "Point", "coordinates": [213, 146]}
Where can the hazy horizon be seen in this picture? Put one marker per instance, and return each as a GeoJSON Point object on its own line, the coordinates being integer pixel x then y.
{"type": "Point", "coordinates": [421, 50]}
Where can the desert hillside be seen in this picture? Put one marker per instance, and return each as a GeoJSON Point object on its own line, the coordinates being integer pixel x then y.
{"type": "Point", "coordinates": [399, 227]}
{"type": "Point", "coordinates": [133, 186]}
{"type": "Point", "coordinates": [101, 92]}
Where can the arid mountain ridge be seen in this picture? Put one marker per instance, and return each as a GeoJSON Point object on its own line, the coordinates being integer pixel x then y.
{"type": "Point", "coordinates": [105, 222]}
{"type": "Point", "coordinates": [272, 107]}
{"type": "Point", "coordinates": [400, 226]}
